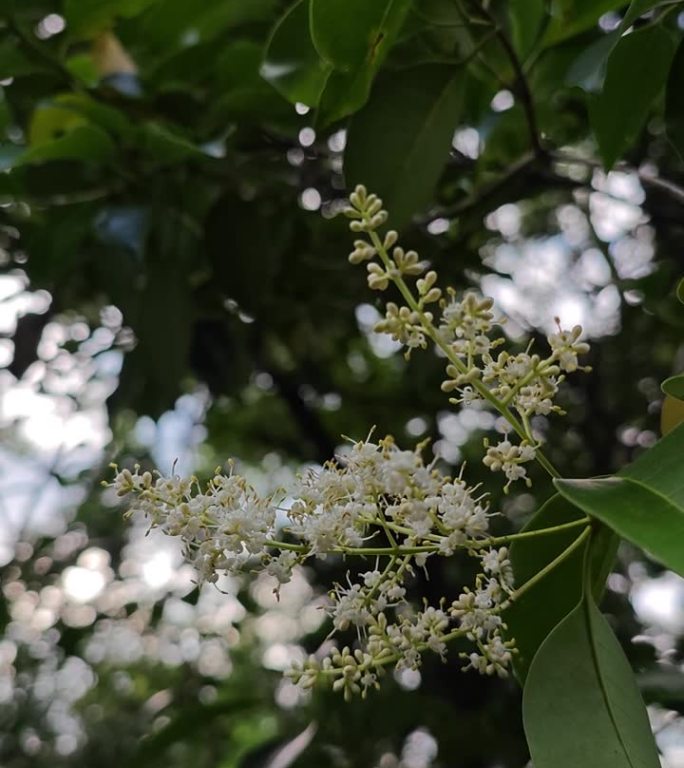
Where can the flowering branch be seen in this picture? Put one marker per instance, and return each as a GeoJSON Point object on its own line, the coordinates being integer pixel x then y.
{"type": "Point", "coordinates": [382, 502]}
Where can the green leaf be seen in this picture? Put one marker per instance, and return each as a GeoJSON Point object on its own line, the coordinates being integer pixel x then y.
{"type": "Point", "coordinates": [588, 70]}
{"type": "Point", "coordinates": [9, 154]}
{"type": "Point", "coordinates": [164, 27]}
{"type": "Point", "coordinates": [680, 291]}
{"type": "Point", "coordinates": [82, 68]}
{"type": "Point", "coordinates": [637, 8]}
{"type": "Point", "coordinates": [81, 108]}
{"type": "Point", "coordinates": [73, 127]}
{"type": "Point", "coordinates": [581, 704]}
{"type": "Point", "coordinates": [353, 33]}
{"type": "Point", "coordinates": [243, 94]}
{"type": "Point", "coordinates": [88, 17]}
{"type": "Point", "coordinates": [645, 503]}
{"type": "Point", "coordinates": [291, 63]}
{"type": "Point", "coordinates": [674, 102]}
{"type": "Point", "coordinates": [399, 142]}
{"type": "Point", "coordinates": [187, 724]}
{"type": "Point", "coordinates": [50, 121]}
{"type": "Point", "coordinates": [16, 62]}
{"type": "Point", "coordinates": [344, 94]}
{"type": "Point", "coordinates": [526, 17]}
{"type": "Point", "coordinates": [572, 17]}
{"type": "Point", "coordinates": [56, 245]}
{"type": "Point", "coordinates": [674, 386]}
{"type": "Point", "coordinates": [531, 618]}
{"type": "Point", "coordinates": [635, 74]}
{"type": "Point", "coordinates": [281, 752]}
{"type": "Point", "coordinates": [348, 86]}
{"type": "Point", "coordinates": [168, 147]}
{"type": "Point", "coordinates": [85, 142]}
{"type": "Point", "coordinates": [672, 414]}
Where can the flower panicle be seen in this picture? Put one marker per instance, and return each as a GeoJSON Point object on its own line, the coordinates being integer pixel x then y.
{"type": "Point", "coordinates": [467, 332]}
{"type": "Point", "coordinates": [379, 503]}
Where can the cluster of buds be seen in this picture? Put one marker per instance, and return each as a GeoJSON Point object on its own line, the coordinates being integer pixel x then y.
{"type": "Point", "coordinates": [466, 331]}
{"type": "Point", "coordinates": [378, 503]}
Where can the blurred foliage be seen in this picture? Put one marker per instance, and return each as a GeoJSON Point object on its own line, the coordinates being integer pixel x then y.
{"type": "Point", "coordinates": [158, 182]}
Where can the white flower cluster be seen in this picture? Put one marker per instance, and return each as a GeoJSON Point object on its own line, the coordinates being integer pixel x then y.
{"type": "Point", "coordinates": [508, 458]}
{"type": "Point", "coordinates": [377, 502]}
{"type": "Point", "coordinates": [382, 504]}
{"type": "Point", "coordinates": [221, 526]}
{"type": "Point", "coordinates": [519, 385]}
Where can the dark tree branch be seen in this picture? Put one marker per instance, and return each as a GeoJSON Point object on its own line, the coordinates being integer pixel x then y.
{"type": "Point", "coordinates": [486, 191]}
{"type": "Point", "coordinates": [674, 191]}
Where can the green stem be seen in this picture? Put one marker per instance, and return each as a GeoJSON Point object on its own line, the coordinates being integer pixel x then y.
{"type": "Point", "coordinates": [400, 551]}
{"type": "Point", "coordinates": [456, 633]}
{"type": "Point", "coordinates": [549, 567]}
{"type": "Point", "coordinates": [390, 564]}
{"type": "Point", "coordinates": [495, 541]}
{"type": "Point", "coordinates": [384, 524]}
{"type": "Point", "coordinates": [397, 551]}
{"type": "Point", "coordinates": [528, 377]}
{"type": "Point", "coordinates": [393, 657]}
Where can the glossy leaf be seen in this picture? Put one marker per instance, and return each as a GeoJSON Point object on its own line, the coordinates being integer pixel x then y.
{"type": "Point", "coordinates": [526, 17]}
{"type": "Point", "coordinates": [51, 121]}
{"type": "Point", "coordinates": [291, 63]}
{"type": "Point", "coordinates": [635, 75]}
{"type": "Point", "coordinates": [344, 94]}
{"type": "Point", "coordinates": [531, 618]}
{"type": "Point", "coordinates": [83, 69]}
{"type": "Point", "coordinates": [168, 147]}
{"type": "Point", "coordinates": [244, 93]}
{"type": "Point", "coordinates": [79, 108]}
{"type": "Point", "coordinates": [350, 34]}
{"type": "Point", "coordinates": [14, 62]}
{"type": "Point", "coordinates": [645, 504]}
{"type": "Point", "coordinates": [672, 414]}
{"type": "Point", "coordinates": [86, 17]}
{"type": "Point", "coordinates": [588, 70]}
{"type": "Point", "coordinates": [572, 17]}
{"type": "Point", "coordinates": [581, 704]}
{"type": "Point", "coordinates": [637, 8]}
{"type": "Point", "coordinates": [399, 143]}
{"type": "Point", "coordinates": [674, 386]}
{"type": "Point", "coordinates": [349, 85]}
{"type": "Point", "coordinates": [85, 142]}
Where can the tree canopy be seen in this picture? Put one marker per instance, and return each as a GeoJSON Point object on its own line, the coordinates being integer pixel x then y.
{"type": "Point", "coordinates": [173, 264]}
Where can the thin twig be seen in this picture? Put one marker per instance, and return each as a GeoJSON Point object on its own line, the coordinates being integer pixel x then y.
{"type": "Point", "coordinates": [648, 179]}
{"type": "Point", "coordinates": [521, 86]}
{"type": "Point", "coordinates": [486, 190]}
